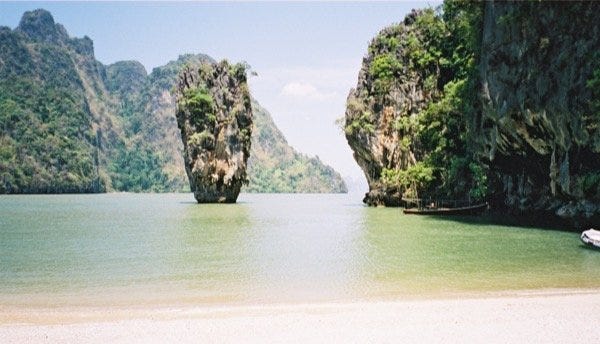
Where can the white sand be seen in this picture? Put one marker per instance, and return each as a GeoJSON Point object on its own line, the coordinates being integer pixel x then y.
{"type": "Point", "coordinates": [559, 317]}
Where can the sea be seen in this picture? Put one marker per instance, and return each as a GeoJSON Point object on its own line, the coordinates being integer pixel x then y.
{"type": "Point", "coordinates": [126, 249]}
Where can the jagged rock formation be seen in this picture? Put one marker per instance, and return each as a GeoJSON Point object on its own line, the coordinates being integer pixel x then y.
{"type": "Point", "coordinates": [525, 101]}
{"type": "Point", "coordinates": [214, 114]}
{"type": "Point", "coordinates": [537, 128]}
{"type": "Point", "coordinates": [388, 90]}
{"type": "Point", "coordinates": [68, 123]}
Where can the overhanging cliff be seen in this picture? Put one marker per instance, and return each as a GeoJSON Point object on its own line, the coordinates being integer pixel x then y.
{"type": "Point", "coordinates": [515, 108]}
{"type": "Point", "coordinates": [538, 128]}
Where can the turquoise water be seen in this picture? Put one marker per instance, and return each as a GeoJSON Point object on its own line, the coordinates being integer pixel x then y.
{"type": "Point", "coordinates": [130, 249]}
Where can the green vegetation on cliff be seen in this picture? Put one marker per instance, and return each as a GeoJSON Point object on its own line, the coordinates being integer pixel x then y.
{"type": "Point", "coordinates": [70, 124]}
{"type": "Point", "coordinates": [443, 52]}
{"type": "Point", "coordinates": [493, 101]}
{"type": "Point", "coordinates": [48, 137]}
{"type": "Point", "coordinates": [147, 109]}
{"type": "Point", "coordinates": [420, 92]}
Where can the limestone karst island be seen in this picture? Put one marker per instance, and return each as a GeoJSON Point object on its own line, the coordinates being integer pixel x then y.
{"type": "Point", "coordinates": [425, 172]}
{"type": "Point", "coordinates": [214, 114]}
{"type": "Point", "coordinates": [485, 102]}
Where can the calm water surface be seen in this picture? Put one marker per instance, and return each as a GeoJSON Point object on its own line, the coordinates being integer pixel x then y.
{"type": "Point", "coordinates": [132, 249]}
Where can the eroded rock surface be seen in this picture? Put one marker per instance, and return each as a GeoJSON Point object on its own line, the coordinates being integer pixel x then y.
{"type": "Point", "coordinates": [537, 127]}
{"type": "Point", "coordinates": [530, 123]}
{"type": "Point", "coordinates": [377, 103]}
{"type": "Point", "coordinates": [214, 114]}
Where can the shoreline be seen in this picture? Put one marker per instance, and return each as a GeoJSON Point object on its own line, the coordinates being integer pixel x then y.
{"type": "Point", "coordinates": [35, 314]}
{"type": "Point", "coordinates": [528, 315]}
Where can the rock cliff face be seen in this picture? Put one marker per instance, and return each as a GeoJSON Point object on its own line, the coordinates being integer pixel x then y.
{"type": "Point", "coordinates": [537, 128]}
{"type": "Point", "coordinates": [68, 123]}
{"type": "Point", "coordinates": [147, 103]}
{"type": "Point", "coordinates": [57, 132]}
{"type": "Point", "coordinates": [214, 114]}
{"type": "Point", "coordinates": [389, 90]}
{"type": "Point", "coordinates": [531, 117]}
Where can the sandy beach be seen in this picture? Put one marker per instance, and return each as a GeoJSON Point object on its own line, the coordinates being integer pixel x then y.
{"type": "Point", "coordinates": [532, 317]}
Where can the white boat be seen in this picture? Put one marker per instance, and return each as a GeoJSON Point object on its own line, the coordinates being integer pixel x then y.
{"type": "Point", "coordinates": [591, 237]}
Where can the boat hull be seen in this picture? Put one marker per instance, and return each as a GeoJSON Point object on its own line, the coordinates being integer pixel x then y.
{"type": "Point", "coordinates": [591, 238]}
{"type": "Point", "coordinates": [471, 210]}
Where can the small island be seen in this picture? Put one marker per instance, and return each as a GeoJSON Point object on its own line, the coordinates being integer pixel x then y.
{"type": "Point", "coordinates": [214, 114]}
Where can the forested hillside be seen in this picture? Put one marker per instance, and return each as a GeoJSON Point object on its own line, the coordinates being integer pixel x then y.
{"type": "Point", "coordinates": [274, 166]}
{"type": "Point", "coordinates": [488, 101]}
{"type": "Point", "coordinates": [71, 124]}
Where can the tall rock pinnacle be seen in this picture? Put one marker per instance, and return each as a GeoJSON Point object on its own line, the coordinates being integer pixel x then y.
{"type": "Point", "coordinates": [214, 114]}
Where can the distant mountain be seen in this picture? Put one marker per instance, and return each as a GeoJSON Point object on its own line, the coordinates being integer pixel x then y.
{"type": "Point", "coordinates": [70, 124]}
{"type": "Point", "coordinates": [274, 166]}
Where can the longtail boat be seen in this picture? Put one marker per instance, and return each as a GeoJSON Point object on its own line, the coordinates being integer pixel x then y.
{"type": "Point", "coordinates": [468, 210]}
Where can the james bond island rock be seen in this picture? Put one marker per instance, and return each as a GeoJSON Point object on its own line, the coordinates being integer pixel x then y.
{"type": "Point", "coordinates": [214, 114]}
{"type": "Point", "coordinates": [539, 128]}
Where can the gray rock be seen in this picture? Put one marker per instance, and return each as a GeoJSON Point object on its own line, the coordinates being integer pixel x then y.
{"type": "Point", "coordinates": [374, 108]}
{"type": "Point", "coordinates": [214, 114]}
{"type": "Point", "coordinates": [536, 128]}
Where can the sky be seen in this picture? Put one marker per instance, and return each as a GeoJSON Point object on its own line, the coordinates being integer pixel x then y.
{"type": "Point", "coordinates": [307, 54]}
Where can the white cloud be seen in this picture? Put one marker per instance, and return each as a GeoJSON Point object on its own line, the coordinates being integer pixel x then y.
{"type": "Point", "coordinates": [298, 89]}
{"type": "Point", "coordinates": [305, 101]}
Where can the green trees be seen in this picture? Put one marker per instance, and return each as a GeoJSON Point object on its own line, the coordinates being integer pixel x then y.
{"type": "Point", "coordinates": [202, 107]}
{"type": "Point", "coordinates": [385, 69]}
{"type": "Point", "coordinates": [45, 124]}
{"type": "Point", "coordinates": [136, 169]}
{"type": "Point", "coordinates": [274, 166]}
{"type": "Point", "coordinates": [445, 130]}
{"type": "Point", "coordinates": [440, 49]}
{"type": "Point", "coordinates": [411, 180]}
{"type": "Point", "coordinates": [70, 124]}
